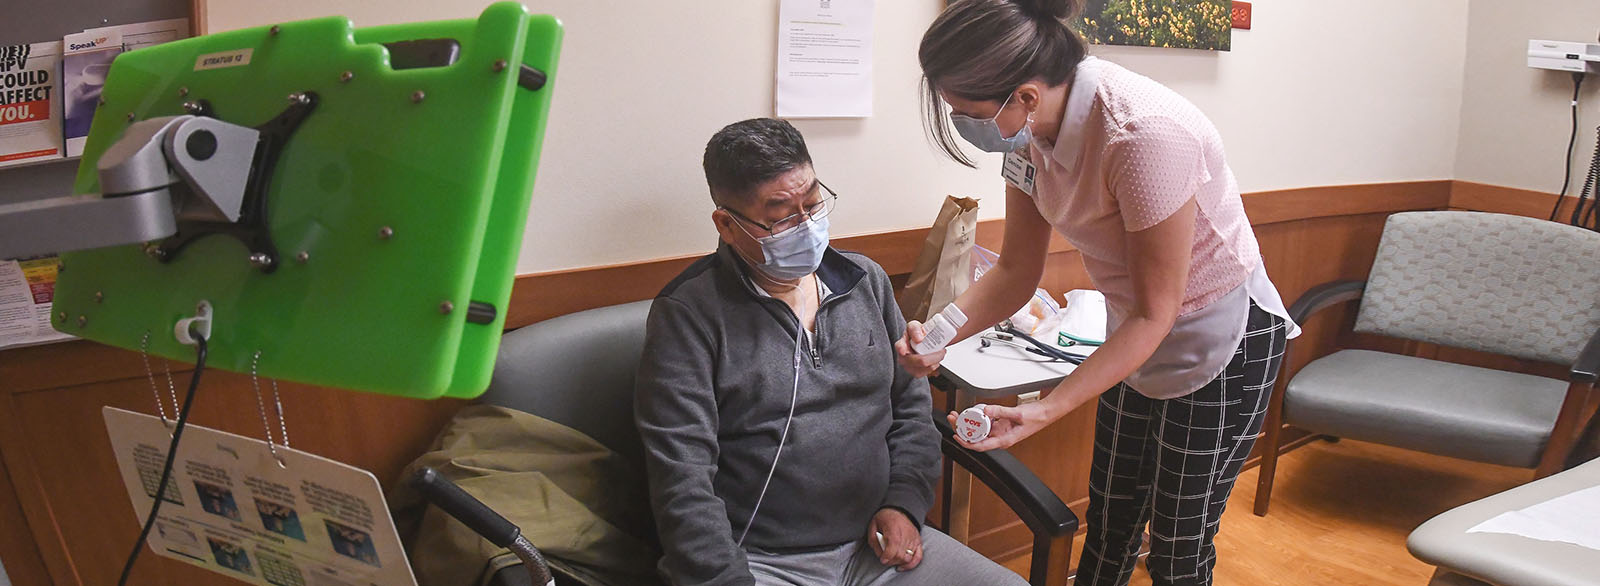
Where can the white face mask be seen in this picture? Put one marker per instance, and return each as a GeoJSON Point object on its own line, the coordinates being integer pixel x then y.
{"type": "Point", "coordinates": [985, 134]}
{"type": "Point", "coordinates": [793, 253]}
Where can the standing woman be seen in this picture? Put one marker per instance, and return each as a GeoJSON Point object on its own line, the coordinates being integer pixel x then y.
{"type": "Point", "coordinates": [1134, 176]}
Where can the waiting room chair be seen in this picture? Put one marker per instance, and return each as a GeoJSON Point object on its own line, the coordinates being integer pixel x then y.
{"type": "Point", "coordinates": [578, 370]}
{"type": "Point", "coordinates": [1497, 283]}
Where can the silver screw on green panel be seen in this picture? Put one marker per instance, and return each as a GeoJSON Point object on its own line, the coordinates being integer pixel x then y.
{"type": "Point", "coordinates": [417, 96]}
{"type": "Point", "coordinates": [183, 92]}
{"type": "Point", "coordinates": [499, 65]}
{"type": "Point", "coordinates": [347, 76]}
{"type": "Point", "coordinates": [274, 30]}
{"type": "Point", "coordinates": [154, 251]}
{"type": "Point", "coordinates": [261, 260]}
{"type": "Point", "coordinates": [63, 316]}
{"type": "Point", "coordinates": [447, 307]}
{"type": "Point", "coordinates": [83, 320]}
{"type": "Point", "coordinates": [130, 116]}
{"type": "Point", "coordinates": [302, 257]}
{"type": "Point", "coordinates": [99, 297]}
{"type": "Point", "coordinates": [385, 233]}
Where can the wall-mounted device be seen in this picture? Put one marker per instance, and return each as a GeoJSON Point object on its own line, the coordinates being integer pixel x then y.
{"type": "Point", "coordinates": [1564, 56]}
{"type": "Point", "coordinates": [1579, 60]}
{"type": "Point", "coordinates": [348, 203]}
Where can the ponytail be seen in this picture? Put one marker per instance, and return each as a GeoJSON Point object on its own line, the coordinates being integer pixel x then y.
{"type": "Point", "coordinates": [1059, 10]}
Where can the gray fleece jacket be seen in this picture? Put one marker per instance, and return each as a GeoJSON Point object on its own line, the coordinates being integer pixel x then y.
{"type": "Point", "coordinates": [714, 389]}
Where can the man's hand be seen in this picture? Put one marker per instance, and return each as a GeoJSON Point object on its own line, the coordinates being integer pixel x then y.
{"type": "Point", "coordinates": [895, 539]}
{"type": "Point", "coordinates": [916, 364]}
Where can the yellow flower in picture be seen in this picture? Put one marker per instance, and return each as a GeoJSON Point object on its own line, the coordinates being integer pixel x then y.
{"type": "Point", "coordinates": [1188, 24]}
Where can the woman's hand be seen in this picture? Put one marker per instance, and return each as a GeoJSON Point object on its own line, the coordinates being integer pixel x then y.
{"type": "Point", "coordinates": [916, 364]}
{"type": "Point", "coordinates": [1008, 425]}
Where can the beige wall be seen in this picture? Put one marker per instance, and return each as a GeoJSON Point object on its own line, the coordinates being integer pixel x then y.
{"type": "Point", "coordinates": [1318, 93]}
{"type": "Point", "coordinates": [1514, 119]}
{"type": "Point", "coordinates": [1326, 93]}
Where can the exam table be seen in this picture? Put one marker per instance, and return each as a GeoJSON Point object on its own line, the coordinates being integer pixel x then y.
{"type": "Point", "coordinates": [1508, 560]}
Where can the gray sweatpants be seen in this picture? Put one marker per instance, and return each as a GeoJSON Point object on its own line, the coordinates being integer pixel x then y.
{"type": "Point", "coordinates": [945, 562]}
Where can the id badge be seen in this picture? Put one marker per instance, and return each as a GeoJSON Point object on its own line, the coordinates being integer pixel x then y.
{"type": "Point", "coordinates": [1019, 171]}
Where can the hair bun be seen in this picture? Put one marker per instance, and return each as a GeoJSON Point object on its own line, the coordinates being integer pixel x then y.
{"type": "Point", "coordinates": [1048, 9]}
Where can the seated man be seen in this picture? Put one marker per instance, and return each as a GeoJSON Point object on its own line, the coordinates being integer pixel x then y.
{"type": "Point", "coordinates": [781, 437]}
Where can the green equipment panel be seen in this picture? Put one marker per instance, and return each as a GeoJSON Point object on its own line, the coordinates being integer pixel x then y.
{"type": "Point", "coordinates": [396, 206]}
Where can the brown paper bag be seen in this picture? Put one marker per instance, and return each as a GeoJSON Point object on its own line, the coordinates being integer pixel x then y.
{"type": "Point", "coordinates": [944, 268]}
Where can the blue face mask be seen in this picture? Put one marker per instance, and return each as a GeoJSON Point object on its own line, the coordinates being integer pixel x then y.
{"type": "Point", "coordinates": [985, 134]}
{"type": "Point", "coordinates": [796, 252]}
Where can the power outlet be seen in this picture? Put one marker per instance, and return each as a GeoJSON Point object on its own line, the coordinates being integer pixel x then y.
{"type": "Point", "coordinates": [1241, 15]}
{"type": "Point", "coordinates": [1025, 398]}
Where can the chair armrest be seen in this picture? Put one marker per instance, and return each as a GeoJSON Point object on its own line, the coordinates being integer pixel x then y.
{"type": "Point", "coordinates": [1588, 364]}
{"type": "Point", "coordinates": [1038, 506]}
{"type": "Point", "coordinates": [1324, 296]}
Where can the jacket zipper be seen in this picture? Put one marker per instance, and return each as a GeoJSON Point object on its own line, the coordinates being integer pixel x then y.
{"type": "Point", "coordinates": [816, 341]}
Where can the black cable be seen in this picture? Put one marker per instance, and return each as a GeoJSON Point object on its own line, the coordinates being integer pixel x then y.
{"type": "Point", "coordinates": [1572, 140]}
{"type": "Point", "coordinates": [172, 452]}
{"type": "Point", "coordinates": [1043, 348]}
{"type": "Point", "coordinates": [1590, 183]}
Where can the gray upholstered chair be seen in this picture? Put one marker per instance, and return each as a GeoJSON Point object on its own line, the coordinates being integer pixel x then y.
{"type": "Point", "coordinates": [578, 370]}
{"type": "Point", "coordinates": [1503, 284]}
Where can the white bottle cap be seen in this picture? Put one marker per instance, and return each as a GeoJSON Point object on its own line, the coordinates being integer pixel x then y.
{"type": "Point", "coordinates": [973, 424]}
{"type": "Point", "coordinates": [955, 315]}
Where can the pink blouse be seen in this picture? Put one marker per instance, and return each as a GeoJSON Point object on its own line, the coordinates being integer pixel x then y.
{"type": "Point", "coordinates": [1130, 152]}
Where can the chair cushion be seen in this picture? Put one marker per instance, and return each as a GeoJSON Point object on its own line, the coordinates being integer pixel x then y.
{"type": "Point", "coordinates": [1426, 405]}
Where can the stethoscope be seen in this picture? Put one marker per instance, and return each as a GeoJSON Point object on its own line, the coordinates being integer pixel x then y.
{"type": "Point", "coordinates": [1005, 333]}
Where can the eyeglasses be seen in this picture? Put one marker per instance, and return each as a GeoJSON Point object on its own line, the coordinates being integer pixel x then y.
{"type": "Point", "coordinates": [815, 211]}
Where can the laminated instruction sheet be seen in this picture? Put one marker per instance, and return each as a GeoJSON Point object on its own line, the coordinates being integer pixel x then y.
{"type": "Point", "coordinates": [233, 509]}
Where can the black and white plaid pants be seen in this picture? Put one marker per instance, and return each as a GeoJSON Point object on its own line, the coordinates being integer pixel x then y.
{"type": "Point", "coordinates": [1171, 463]}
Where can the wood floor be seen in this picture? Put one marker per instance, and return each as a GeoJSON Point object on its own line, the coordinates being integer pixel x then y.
{"type": "Point", "coordinates": [1340, 515]}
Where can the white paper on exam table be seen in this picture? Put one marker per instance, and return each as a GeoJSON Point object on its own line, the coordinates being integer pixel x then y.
{"type": "Point", "coordinates": [1570, 518]}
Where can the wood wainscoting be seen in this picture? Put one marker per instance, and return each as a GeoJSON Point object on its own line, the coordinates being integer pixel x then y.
{"type": "Point", "coordinates": [65, 518]}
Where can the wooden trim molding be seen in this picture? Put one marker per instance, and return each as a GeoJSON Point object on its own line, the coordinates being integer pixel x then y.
{"type": "Point", "coordinates": [1481, 197]}
{"type": "Point", "coordinates": [540, 296]}
{"type": "Point", "coordinates": [1306, 203]}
